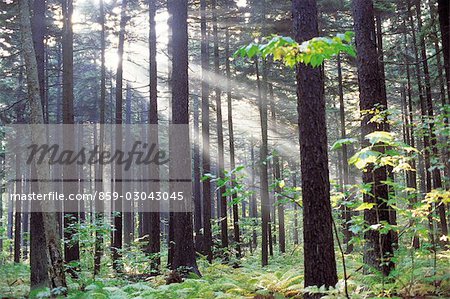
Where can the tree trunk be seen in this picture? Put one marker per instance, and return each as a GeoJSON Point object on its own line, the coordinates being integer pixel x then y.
{"type": "Point", "coordinates": [183, 246]}
{"type": "Point", "coordinates": [18, 212]}
{"type": "Point", "coordinates": [99, 206]}
{"type": "Point", "coordinates": [426, 176]}
{"type": "Point", "coordinates": [444, 19]}
{"type": "Point", "coordinates": [117, 241]}
{"type": "Point", "coordinates": [263, 174]}
{"type": "Point", "coordinates": [379, 246]}
{"type": "Point", "coordinates": [277, 177]}
{"type": "Point", "coordinates": [436, 173]}
{"type": "Point", "coordinates": [71, 245]}
{"type": "Point", "coordinates": [294, 184]}
{"type": "Point", "coordinates": [345, 170]}
{"type": "Point", "coordinates": [52, 241]}
{"type": "Point", "coordinates": [253, 203]}
{"type": "Point", "coordinates": [320, 265]}
{"type": "Point", "coordinates": [197, 196]}
{"type": "Point", "coordinates": [152, 218]}
{"type": "Point", "coordinates": [206, 159]}
{"type": "Point", "coordinates": [237, 238]}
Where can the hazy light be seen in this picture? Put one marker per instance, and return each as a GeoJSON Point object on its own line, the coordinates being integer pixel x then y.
{"type": "Point", "coordinates": [241, 3]}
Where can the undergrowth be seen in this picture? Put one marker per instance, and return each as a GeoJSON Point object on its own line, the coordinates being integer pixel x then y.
{"type": "Point", "coordinates": [414, 276]}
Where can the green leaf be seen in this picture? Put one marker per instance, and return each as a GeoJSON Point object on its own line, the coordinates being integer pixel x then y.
{"type": "Point", "coordinates": [380, 137]}
{"type": "Point", "coordinates": [339, 143]}
{"type": "Point", "coordinates": [364, 206]}
{"type": "Point", "coordinates": [364, 157]}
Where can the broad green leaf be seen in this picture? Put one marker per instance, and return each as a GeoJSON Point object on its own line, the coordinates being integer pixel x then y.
{"type": "Point", "coordinates": [380, 136]}
{"type": "Point", "coordinates": [339, 143]}
{"type": "Point", "coordinates": [364, 206]}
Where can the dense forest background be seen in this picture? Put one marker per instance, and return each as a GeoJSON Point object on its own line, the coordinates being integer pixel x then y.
{"type": "Point", "coordinates": [320, 166]}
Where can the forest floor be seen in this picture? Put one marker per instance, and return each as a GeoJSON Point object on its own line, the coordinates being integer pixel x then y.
{"type": "Point", "coordinates": [283, 278]}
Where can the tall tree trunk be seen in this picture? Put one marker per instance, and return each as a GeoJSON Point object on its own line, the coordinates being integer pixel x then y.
{"type": "Point", "coordinates": [317, 218]}
{"type": "Point", "coordinates": [444, 20]}
{"type": "Point", "coordinates": [127, 187]}
{"type": "Point", "coordinates": [253, 203]}
{"type": "Point", "coordinates": [206, 159]}
{"type": "Point", "coordinates": [152, 218]}
{"type": "Point", "coordinates": [424, 167]}
{"type": "Point", "coordinates": [345, 170]}
{"type": "Point", "coordinates": [379, 246]}
{"type": "Point", "coordinates": [263, 174]}
{"type": "Point", "coordinates": [389, 169]}
{"type": "Point", "coordinates": [18, 212]}
{"type": "Point", "coordinates": [294, 184]}
{"type": "Point", "coordinates": [56, 276]}
{"type": "Point", "coordinates": [436, 173]}
{"type": "Point", "coordinates": [221, 199]}
{"type": "Point", "coordinates": [38, 254]}
{"type": "Point", "coordinates": [183, 243]}
{"type": "Point", "coordinates": [99, 206]}
{"type": "Point", "coordinates": [445, 151]}
{"type": "Point", "coordinates": [409, 124]}
{"type": "Point", "coordinates": [277, 177]}
{"type": "Point", "coordinates": [197, 189]}
{"type": "Point", "coordinates": [117, 242]}
{"type": "Point", "coordinates": [237, 238]}
{"type": "Point", "coordinates": [71, 244]}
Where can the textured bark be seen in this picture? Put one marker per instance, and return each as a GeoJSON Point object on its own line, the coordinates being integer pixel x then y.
{"type": "Point", "coordinates": [197, 189]}
{"type": "Point", "coordinates": [221, 199]}
{"type": "Point", "coordinates": [345, 171]}
{"type": "Point", "coordinates": [294, 184]}
{"type": "Point", "coordinates": [253, 203]}
{"type": "Point", "coordinates": [378, 246]}
{"type": "Point", "coordinates": [277, 177]}
{"type": "Point", "coordinates": [71, 246]}
{"type": "Point", "coordinates": [320, 265]}
{"type": "Point", "coordinates": [411, 177]}
{"type": "Point", "coordinates": [152, 219]}
{"type": "Point", "coordinates": [183, 243]}
{"type": "Point", "coordinates": [18, 213]}
{"type": "Point", "coordinates": [38, 254]}
{"type": "Point", "coordinates": [236, 229]}
{"type": "Point", "coordinates": [117, 241]}
{"type": "Point", "coordinates": [444, 20]}
{"type": "Point", "coordinates": [263, 174]}
{"type": "Point", "coordinates": [99, 206]}
{"type": "Point", "coordinates": [440, 73]}
{"type": "Point", "coordinates": [389, 169]}
{"type": "Point", "coordinates": [206, 159]}
{"type": "Point", "coordinates": [128, 206]}
{"type": "Point", "coordinates": [428, 107]}
{"type": "Point", "coordinates": [425, 174]}
{"type": "Point", "coordinates": [52, 241]}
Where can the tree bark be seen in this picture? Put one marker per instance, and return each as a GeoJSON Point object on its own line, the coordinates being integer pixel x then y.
{"type": "Point", "coordinates": [52, 241]}
{"type": "Point", "coordinates": [277, 177]}
{"type": "Point", "coordinates": [345, 170]}
{"type": "Point", "coordinates": [71, 219]}
{"type": "Point", "coordinates": [99, 206]}
{"type": "Point", "coordinates": [379, 246]}
{"type": "Point", "coordinates": [428, 111]}
{"type": "Point", "coordinates": [444, 19]}
{"type": "Point", "coordinates": [117, 240]}
{"type": "Point", "coordinates": [237, 238]}
{"type": "Point", "coordinates": [263, 174]}
{"type": "Point", "coordinates": [183, 243]}
{"type": "Point", "coordinates": [152, 219]}
{"type": "Point", "coordinates": [320, 265]}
